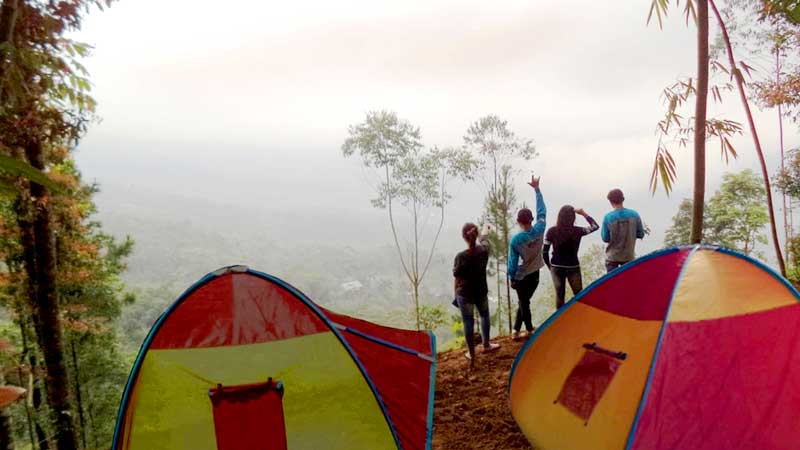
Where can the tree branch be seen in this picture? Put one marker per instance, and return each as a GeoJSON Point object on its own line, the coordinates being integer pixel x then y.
{"type": "Point", "coordinates": [737, 75]}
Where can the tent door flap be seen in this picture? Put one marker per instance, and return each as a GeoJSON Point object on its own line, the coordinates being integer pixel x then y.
{"type": "Point", "coordinates": [249, 417]}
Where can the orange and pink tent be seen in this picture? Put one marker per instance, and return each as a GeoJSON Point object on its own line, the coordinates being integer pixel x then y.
{"type": "Point", "coordinates": [692, 347]}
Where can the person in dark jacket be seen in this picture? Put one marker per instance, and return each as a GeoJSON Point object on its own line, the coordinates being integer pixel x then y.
{"type": "Point", "coordinates": [471, 290]}
{"type": "Point", "coordinates": [565, 240]}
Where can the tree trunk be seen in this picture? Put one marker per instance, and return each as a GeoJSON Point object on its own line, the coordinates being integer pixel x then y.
{"type": "Point", "coordinates": [700, 123]}
{"type": "Point", "coordinates": [506, 232]}
{"type": "Point", "coordinates": [40, 268]}
{"type": "Point", "coordinates": [6, 436]}
{"type": "Point", "coordinates": [416, 304]}
{"type": "Point", "coordinates": [737, 75]}
{"type": "Point", "coordinates": [40, 439]}
{"type": "Point", "coordinates": [78, 400]}
{"type": "Point", "coordinates": [26, 381]}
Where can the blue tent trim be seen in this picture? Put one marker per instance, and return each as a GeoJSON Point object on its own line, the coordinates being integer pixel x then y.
{"type": "Point", "coordinates": [300, 296]}
{"type": "Point", "coordinates": [431, 392]}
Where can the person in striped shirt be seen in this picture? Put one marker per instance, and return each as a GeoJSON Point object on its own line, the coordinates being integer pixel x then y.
{"type": "Point", "coordinates": [565, 240]}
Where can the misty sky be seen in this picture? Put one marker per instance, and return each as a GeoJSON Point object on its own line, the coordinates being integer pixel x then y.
{"type": "Point", "coordinates": [246, 102]}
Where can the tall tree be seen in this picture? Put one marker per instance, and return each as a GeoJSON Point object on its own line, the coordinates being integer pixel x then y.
{"type": "Point", "coordinates": [44, 108]}
{"type": "Point", "coordinates": [414, 178]}
{"type": "Point", "coordinates": [701, 106]}
{"type": "Point", "coordinates": [500, 202]}
{"type": "Point", "coordinates": [736, 74]}
{"type": "Point", "coordinates": [498, 146]}
{"type": "Point", "coordinates": [699, 127]}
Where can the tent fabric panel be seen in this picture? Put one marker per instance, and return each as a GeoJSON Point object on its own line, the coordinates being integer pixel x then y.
{"type": "Point", "coordinates": [403, 381]}
{"type": "Point", "coordinates": [641, 290]}
{"type": "Point", "coordinates": [327, 401]}
{"type": "Point", "coordinates": [541, 372]}
{"type": "Point", "coordinates": [730, 383]}
{"type": "Point", "coordinates": [249, 417]}
{"type": "Point", "coordinates": [717, 285]}
{"type": "Point", "coordinates": [418, 341]}
{"type": "Point", "coordinates": [236, 309]}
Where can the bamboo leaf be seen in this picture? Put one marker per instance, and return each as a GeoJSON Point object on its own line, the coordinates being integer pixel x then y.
{"type": "Point", "coordinates": [16, 167]}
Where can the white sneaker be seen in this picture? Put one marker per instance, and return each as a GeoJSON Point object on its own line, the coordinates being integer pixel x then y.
{"type": "Point", "coordinates": [492, 347]}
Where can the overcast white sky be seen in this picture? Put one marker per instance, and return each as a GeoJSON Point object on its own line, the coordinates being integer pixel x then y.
{"type": "Point", "coordinates": [248, 101]}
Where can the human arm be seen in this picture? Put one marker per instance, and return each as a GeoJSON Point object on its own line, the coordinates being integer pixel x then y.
{"type": "Point", "coordinates": [605, 232]}
{"type": "Point", "coordinates": [513, 258]}
{"type": "Point", "coordinates": [546, 253]}
{"type": "Point", "coordinates": [541, 209]}
{"type": "Point", "coordinates": [639, 228]}
{"type": "Point", "coordinates": [484, 237]}
{"type": "Point", "coordinates": [593, 226]}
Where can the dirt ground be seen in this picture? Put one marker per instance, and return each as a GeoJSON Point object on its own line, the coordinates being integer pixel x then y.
{"type": "Point", "coordinates": [471, 407]}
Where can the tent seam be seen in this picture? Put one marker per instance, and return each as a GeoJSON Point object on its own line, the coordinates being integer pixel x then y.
{"type": "Point", "coordinates": [657, 351]}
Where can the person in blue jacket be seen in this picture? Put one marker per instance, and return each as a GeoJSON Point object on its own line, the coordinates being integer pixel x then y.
{"type": "Point", "coordinates": [525, 259]}
{"type": "Point", "coordinates": [621, 228]}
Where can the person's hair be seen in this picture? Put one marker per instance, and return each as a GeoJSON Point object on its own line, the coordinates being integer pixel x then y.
{"type": "Point", "coordinates": [470, 233]}
{"type": "Point", "coordinates": [566, 217]}
{"type": "Point", "coordinates": [562, 232]}
{"type": "Point", "coordinates": [616, 196]}
{"type": "Point", "coordinates": [524, 216]}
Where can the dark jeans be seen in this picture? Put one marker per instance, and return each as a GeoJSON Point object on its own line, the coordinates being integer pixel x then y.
{"type": "Point", "coordinates": [467, 308]}
{"type": "Point", "coordinates": [561, 276]}
{"type": "Point", "coordinates": [611, 265]}
{"type": "Point", "coordinates": [525, 289]}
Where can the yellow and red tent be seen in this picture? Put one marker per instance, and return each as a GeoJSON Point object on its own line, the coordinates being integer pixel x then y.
{"type": "Point", "coordinates": [243, 360]}
{"type": "Point", "coordinates": [691, 348]}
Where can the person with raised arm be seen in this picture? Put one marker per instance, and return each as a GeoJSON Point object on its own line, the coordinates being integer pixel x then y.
{"type": "Point", "coordinates": [565, 240]}
{"type": "Point", "coordinates": [471, 290]}
{"type": "Point", "coordinates": [525, 258]}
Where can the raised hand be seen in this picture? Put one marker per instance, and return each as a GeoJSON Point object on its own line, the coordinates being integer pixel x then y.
{"type": "Point", "coordinates": [534, 183]}
{"type": "Point", "coordinates": [580, 212]}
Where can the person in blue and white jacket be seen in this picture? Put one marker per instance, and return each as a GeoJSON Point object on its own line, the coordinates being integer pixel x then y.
{"type": "Point", "coordinates": [621, 228]}
{"type": "Point", "coordinates": [527, 245]}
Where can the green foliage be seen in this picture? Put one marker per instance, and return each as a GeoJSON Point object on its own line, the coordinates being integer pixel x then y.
{"type": "Point", "coordinates": [787, 9]}
{"type": "Point", "coordinates": [788, 180]}
{"type": "Point", "coordinates": [432, 317]}
{"type": "Point", "coordinates": [382, 140]}
{"type": "Point", "coordinates": [680, 231]}
{"type": "Point", "coordinates": [735, 215]}
{"type": "Point", "coordinates": [90, 294]}
{"type": "Point", "coordinates": [593, 264]}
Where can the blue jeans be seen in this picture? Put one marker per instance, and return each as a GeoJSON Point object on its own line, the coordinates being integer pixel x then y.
{"type": "Point", "coordinates": [467, 307]}
{"type": "Point", "coordinates": [562, 275]}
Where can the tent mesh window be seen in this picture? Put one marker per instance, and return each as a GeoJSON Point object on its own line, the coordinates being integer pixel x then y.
{"type": "Point", "coordinates": [588, 380]}
{"type": "Point", "coordinates": [249, 416]}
